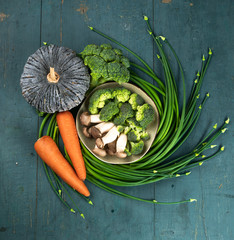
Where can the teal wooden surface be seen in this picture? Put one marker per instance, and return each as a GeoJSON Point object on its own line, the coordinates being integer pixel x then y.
{"type": "Point", "coordinates": [28, 207]}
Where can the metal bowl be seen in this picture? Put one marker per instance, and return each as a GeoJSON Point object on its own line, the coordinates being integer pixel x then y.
{"type": "Point", "coordinates": [151, 128]}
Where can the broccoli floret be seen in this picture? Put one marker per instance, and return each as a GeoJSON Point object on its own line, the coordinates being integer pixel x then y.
{"type": "Point", "coordinates": [125, 61]}
{"type": "Point", "coordinates": [120, 104]}
{"type": "Point", "coordinates": [135, 133]}
{"type": "Point", "coordinates": [136, 100]}
{"type": "Point", "coordinates": [134, 136]}
{"type": "Point", "coordinates": [120, 128]}
{"type": "Point", "coordinates": [108, 111]}
{"type": "Point", "coordinates": [98, 69]}
{"type": "Point", "coordinates": [133, 124]}
{"type": "Point", "coordinates": [137, 147]}
{"type": "Point", "coordinates": [106, 46]}
{"type": "Point", "coordinates": [145, 115]}
{"type": "Point", "coordinates": [145, 135]}
{"type": "Point", "coordinates": [137, 129]}
{"type": "Point", "coordinates": [108, 55]}
{"type": "Point", "coordinates": [98, 100]}
{"type": "Point", "coordinates": [126, 110]}
{"type": "Point", "coordinates": [105, 64]}
{"type": "Point", "coordinates": [121, 94]}
{"type": "Point", "coordinates": [127, 130]}
{"type": "Point", "coordinates": [125, 113]}
{"type": "Point", "coordinates": [91, 50]}
{"type": "Point", "coordinates": [118, 51]}
{"type": "Point", "coordinates": [119, 120]}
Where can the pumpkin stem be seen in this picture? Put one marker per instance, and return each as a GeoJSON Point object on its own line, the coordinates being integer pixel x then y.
{"type": "Point", "coordinates": [52, 76]}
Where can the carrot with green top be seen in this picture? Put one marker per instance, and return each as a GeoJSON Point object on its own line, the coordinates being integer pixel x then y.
{"type": "Point", "coordinates": [49, 152]}
{"type": "Point", "coordinates": [67, 129]}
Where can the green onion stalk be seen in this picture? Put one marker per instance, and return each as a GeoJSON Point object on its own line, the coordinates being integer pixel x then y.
{"type": "Point", "coordinates": [175, 126]}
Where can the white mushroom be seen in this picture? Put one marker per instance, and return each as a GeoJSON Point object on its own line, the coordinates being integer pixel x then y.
{"type": "Point", "coordinates": [86, 119]}
{"type": "Point", "coordinates": [108, 138]}
{"type": "Point", "coordinates": [121, 154]}
{"type": "Point", "coordinates": [98, 130]}
{"type": "Point", "coordinates": [112, 146]}
{"type": "Point", "coordinates": [86, 132]}
{"type": "Point", "coordinates": [121, 145]}
{"type": "Point", "coordinates": [99, 152]}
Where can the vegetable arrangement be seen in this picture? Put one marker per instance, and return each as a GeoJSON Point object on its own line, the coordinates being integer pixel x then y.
{"type": "Point", "coordinates": [108, 64]}
{"type": "Point", "coordinates": [122, 118]}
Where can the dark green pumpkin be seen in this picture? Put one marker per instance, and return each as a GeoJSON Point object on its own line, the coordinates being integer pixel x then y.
{"type": "Point", "coordinates": [54, 79]}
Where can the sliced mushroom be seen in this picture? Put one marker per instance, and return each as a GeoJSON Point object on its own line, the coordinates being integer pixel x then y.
{"type": "Point", "coordinates": [100, 143]}
{"type": "Point", "coordinates": [108, 138]}
{"type": "Point", "coordinates": [86, 119]}
{"type": "Point", "coordinates": [98, 130]}
{"type": "Point", "coordinates": [99, 152]}
{"type": "Point", "coordinates": [89, 131]}
{"type": "Point", "coordinates": [121, 143]}
{"type": "Point", "coordinates": [95, 131]}
{"type": "Point", "coordinates": [85, 131]}
{"type": "Point", "coordinates": [110, 152]}
{"type": "Point", "coordinates": [112, 146]}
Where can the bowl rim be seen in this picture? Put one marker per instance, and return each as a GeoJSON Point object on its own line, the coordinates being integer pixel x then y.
{"type": "Point", "coordinates": [115, 160]}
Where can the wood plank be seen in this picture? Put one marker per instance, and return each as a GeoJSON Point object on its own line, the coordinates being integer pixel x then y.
{"type": "Point", "coordinates": [18, 162]}
{"type": "Point", "coordinates": [29, 208]}
{"type": "Point", "coordinates": [111, 216]}
{"type": "Point", "coordinates": [192, 27]}
{"type": "Point", "coordinates": [50, 211]}
{"type": "Point", "coordinates": [51, 22]}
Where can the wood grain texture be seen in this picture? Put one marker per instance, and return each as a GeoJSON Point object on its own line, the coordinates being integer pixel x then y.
{"type": "Point", "coordinates": [108, 210]}
{"type": "Point", "coordinates": [29, 208]}
{"type": "Point", "coordinates": [18, 121]}
{"type": "Point", "coordinates": [192, 29]}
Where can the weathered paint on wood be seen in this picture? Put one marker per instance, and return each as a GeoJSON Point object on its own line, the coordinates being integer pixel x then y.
{"type": "Point", "coordinates": [19, 36]}
{"type": "Point", "coordinates": [29, 208]}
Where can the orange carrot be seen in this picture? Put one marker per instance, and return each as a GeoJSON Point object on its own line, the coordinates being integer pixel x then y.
{"type": "Point", "coordinates": [67, 129]}
{"type": "Point", "coordinates": [48, 151]}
